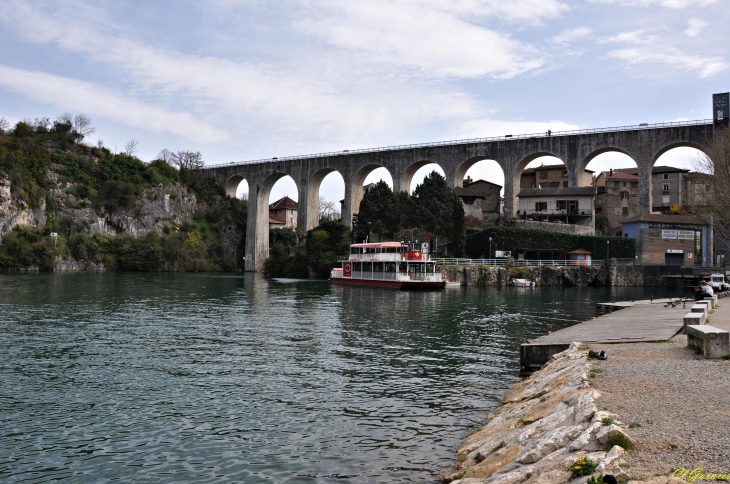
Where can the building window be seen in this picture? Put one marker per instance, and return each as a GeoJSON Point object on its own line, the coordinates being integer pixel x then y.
{"type": "Point", "coordinates": [565, 183]}
{"type": "Point", "coordinates": [625, 211]}
{"type": "Point", "coordinates": [665, 201]}
{"type": "Point", "coordinates": [666, 176]}
{"type": "Point", "coordinates": [291, 220]}
{"type": "Point", "coordinates": [699, 187]}
{"type": "Point", "coordinates": [624, 195]}
{"type": "Point", "coordinates": [665, 187]}
{"type": "Point", "coordinates": [554, 184]}
{"type": "Point", "coordinates": [565, 174]}
{"type": "Point", "coordinates": [698, 199]}
{"type": "Point", "coordinates": [540, 206]}
{"type": "Point", "coordinates": [543, 175]}
{"type": "Point", "coordinates": [532, 185]}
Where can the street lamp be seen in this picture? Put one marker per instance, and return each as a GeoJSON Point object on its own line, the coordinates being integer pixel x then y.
{"type": "Point", "coordinates": [490, 248]}
{"type": "Point", "coordinates": [607, 251]}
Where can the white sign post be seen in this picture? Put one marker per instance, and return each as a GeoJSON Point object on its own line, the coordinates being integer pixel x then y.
{"type": "Point", "coordinates": [55, 238]}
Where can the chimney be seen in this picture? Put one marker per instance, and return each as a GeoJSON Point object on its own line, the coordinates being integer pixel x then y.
{"type": "Point", "coordinates": [610, 172]}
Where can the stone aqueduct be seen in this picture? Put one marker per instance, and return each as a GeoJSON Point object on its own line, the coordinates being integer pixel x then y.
{"type": "Point", "coordinates": [643, 143]}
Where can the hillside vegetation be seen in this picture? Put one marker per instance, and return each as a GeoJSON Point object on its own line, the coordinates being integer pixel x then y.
{"type": "Point", "coordinates": [70, 188]}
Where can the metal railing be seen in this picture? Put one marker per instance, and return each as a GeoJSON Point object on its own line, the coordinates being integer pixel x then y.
{"type": "Point", "coordinates": [508, 137]}
{"type": "Point", "coordinates": [519, 263]}
{"type": "Point", "coordinates": [397, 276]}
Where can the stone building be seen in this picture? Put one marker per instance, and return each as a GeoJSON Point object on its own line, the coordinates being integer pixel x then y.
{"type": "Point", "coordinates": [668, 186]}
{"type": "Point", "coordinates": [551, 176]}
{"type": "Point", "coordinates": [617, 199]}
{"type": "Point", "coordinates": [661, 239]}
{"type": "Point", "coordinates": [563, 205]}
{"type": "Point", "coordinates": [481, 199]}
{"type": "Point", "coordinates": [283, 211]}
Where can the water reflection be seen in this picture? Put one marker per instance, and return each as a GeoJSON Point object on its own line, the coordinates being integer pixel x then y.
{"type": "Point", "coordinates": [194, 377]}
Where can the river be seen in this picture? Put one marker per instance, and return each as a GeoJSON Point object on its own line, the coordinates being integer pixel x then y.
{"type": "Point", "coordinates": [239, 378]}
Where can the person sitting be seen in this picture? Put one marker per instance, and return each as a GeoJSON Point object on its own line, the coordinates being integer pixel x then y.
{"type": "Point", "coordinates": [703, 291]}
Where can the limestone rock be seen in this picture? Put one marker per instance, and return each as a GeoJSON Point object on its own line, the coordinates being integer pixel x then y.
{"type": "Point", "coordinates": [606, 434]}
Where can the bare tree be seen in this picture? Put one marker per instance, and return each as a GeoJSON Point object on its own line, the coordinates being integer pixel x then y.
{"type": "Point", "coordinates": [715, 162]}
{"type": "Point", "coordinates": [188, 160]}
{"type": "Point", "coordinates": [327, 210]}
{"type": "Point", "coordinates": [4, 124]}
{"type": "Point", "coordinates": [131, 147]}
{"type": "Point", "coordinates": [165, 155]}
{"type": "Point", "coordinates": [80, 124]}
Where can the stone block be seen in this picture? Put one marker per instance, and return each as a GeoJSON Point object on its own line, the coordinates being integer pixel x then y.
{"type": "Point", "coordinates": [693, 319]}
{"type": "Point", "coordinates": [714, 301]}
{"type": "Point", "coordinates": [700, 308]}
{"type": "Point", "coordinates": [714, 342]}
{"type": "Point", "coordinates": [706, 302]}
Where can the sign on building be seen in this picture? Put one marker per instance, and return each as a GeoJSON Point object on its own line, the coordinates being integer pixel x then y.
{"type": "Point", "coordinates": [686, 234]}
{"type": "Point", "coordinates": [721, 108]}
{"type": "Point", "coordinates": [669, 234]}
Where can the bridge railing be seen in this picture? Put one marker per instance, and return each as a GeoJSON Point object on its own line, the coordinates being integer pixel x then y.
{"type": "Point", "coordinates": [520, 263]}
{"type": "Point", "coordinates": [509, 137]}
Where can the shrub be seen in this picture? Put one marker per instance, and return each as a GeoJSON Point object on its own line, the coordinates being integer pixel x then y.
{"type": "Point", "coordinates": [582, 467]}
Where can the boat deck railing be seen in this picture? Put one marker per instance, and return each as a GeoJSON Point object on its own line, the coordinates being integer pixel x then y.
{"type": "Point", "coordinates": [397, 276]}
{"type": "Point", "coordinates": [519, 263]}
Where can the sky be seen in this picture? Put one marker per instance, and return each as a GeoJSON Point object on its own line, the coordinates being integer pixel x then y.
{"type": "Point", "coordinates": [249, 79]}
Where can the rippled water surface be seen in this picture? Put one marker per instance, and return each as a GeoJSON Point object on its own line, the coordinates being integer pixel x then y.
{"type": "Point", "coordinates": [210, 378]}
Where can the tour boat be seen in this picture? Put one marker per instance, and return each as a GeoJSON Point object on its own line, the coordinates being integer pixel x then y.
{"type": "Point", "coordinates": [522, 283]}
{"type": "Point", "coordinates": [389, 264]}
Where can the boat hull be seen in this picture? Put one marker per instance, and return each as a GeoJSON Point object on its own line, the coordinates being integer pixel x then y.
{"type": "Point", "coordinates": [404, 285]}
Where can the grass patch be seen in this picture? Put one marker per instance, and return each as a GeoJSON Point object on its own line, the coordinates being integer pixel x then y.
{"type": "Point", "coordinates": [595, 479]}
{"type": "Point", "coordinates": [634, 425]}
{"type": "Point", "coordinates": [593, 414]}
{"type": "Point", "coordinates": [621, 440]}
{"type": "Point", "coordinates": [606, 421]}
{"type": "Point", "coordinates": [673, 446]}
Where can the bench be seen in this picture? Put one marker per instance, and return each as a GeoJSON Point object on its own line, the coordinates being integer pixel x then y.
{"type": "Point", "coordinates": [714, 342]}
{"type": "Point", "coordinates": [693, 319]}
{"type": "Point", "coordinates": [706, 302]}
{"type": "Point", "coordinates": [700, 308]}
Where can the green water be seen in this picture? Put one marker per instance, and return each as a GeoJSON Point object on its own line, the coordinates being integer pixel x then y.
{"type": "Point", "coordinates": [215, 378]}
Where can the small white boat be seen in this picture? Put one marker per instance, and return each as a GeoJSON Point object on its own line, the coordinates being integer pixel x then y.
{"type": "Point", "coordinates": [522, 283]}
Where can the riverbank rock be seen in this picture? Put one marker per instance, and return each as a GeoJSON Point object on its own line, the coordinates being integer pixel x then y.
{"type": "Point", "coordinates": [545, 423]}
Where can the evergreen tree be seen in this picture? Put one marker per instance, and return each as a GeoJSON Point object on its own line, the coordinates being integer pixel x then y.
{"type": "Point", "coordinates": [433, 202]}
{"type": "Point", "coordinates": [379, 208]}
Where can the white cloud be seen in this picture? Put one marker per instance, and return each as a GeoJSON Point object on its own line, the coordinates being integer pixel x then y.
{"type": "Point", "coordinates": [290, 104]}
{"type": "Point", "coordinates": [695, 26]}
{"type": "Point", "coordinates": [430, 36]}
{"type": "Point", "coordinates": [650, 49]}
{"type": "Point", "coordinates": [75, 95]}
{"type": "Point", "coordinates": [663, 3]}
{"type": "Point", "coordinates": [570, 35]}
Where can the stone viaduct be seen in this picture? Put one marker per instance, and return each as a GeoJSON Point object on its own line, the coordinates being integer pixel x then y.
{"type": "Point", "coordinates": [643, 143]}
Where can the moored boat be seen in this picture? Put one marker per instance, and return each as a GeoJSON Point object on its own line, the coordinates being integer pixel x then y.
{"type": "Point", "coordinates": [389, 264]}
{"type": "Point", "coordinates": [522, 283]}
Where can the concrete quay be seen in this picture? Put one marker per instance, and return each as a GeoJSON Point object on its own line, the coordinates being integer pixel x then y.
{"type": "Point", "coordinates": [637, 321]}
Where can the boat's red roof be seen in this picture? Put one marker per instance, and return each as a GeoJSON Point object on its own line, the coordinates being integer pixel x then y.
{"type": "Point", "coordinates": [378, 245]}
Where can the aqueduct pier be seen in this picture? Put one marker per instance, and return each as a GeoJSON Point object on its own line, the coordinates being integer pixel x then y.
{"type": "Point", "coordinates": [644, 143]}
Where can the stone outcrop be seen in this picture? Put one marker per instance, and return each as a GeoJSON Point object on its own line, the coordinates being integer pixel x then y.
{"type": "Point", "coordinates": [15, 212]}
{"type": "Point", "coordinates": [157, 207]}
{"type": "Point", "coordinates": [544, 424]}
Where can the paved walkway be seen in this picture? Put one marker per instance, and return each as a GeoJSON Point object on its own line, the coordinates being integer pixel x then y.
{"type": "Point", "coordinates": [674, 403]}
{"type": "Point", "coordinates": [643, 322]}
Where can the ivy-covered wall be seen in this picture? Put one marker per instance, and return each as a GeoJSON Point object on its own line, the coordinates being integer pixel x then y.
{"type": "Point", "coordinates": [507, 238]}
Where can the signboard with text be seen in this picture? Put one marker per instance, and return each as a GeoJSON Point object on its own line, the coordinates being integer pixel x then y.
{"type": "Point", "coordinates": [347, 269]}
{"type": "Point", "coordinates": [669, 234]}
{"type": "Point", "coordinates": [686, 234]}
